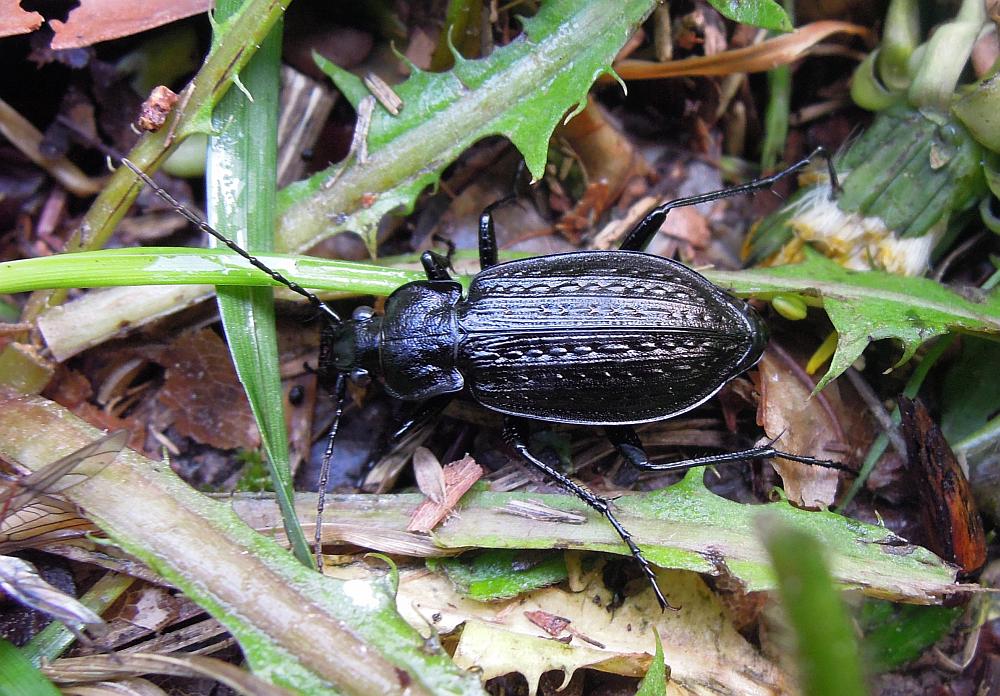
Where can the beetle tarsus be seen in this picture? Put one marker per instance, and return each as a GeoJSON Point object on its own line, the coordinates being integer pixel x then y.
{"type": "Point", "coordinates": [514, 435]}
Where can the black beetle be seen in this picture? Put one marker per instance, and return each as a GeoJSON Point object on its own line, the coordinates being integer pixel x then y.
{"type": "Point", "coordinates": [606, 338]}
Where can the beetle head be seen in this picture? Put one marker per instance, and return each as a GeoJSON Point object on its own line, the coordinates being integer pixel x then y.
{"type": "Point", "coordinates": [355, 345]}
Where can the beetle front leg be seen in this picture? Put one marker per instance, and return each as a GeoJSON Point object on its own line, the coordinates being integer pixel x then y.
{"type": "Point", "coordinates": [514, 435]}
{"type": "Point", "coordinates": [640, 236]}
{"type": "Point", "coordinates": [435, 265]}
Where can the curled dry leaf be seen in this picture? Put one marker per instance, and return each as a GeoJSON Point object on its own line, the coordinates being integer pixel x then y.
{"type": "Point", "coordinates": [550, 623]}
{"type": "Point", "coordinates": [947, 506]}
{"type": "Point", "coordinates": [20, 581]}
{"type": "Point", "coordinates": [766, 55]}
{"type": "Point", "coordinates": [204, 393]}
{"type": "Point", "coordinates": [801, 425]}
{"type": "Point", "coordinates": [458, 478]}
{"type": "Point", "coordinates": [154, 111]}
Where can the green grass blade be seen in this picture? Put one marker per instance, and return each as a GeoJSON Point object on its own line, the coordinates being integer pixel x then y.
{"type": "Point", "coordinates": [827, 652]}
{"type": "Point", "coordinates": [19, 676]}
{"type": "Point", "coordinates": [241, 184]}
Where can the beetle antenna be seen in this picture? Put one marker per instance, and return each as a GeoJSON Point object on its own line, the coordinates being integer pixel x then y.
{"type": "Point", "coordinates": [338, 393]}
{"type": "Point", "coordinates": [208, 229]}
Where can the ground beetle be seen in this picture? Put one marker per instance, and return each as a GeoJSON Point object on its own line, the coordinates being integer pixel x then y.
{"type": "Point", "coordinates": [605, 338]}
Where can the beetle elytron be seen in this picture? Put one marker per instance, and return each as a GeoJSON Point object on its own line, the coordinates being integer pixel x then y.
{"type": "Point", "coordinates": [605, 338]}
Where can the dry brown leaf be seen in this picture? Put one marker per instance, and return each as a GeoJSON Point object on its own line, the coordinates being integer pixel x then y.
{"type": "Point", "coordinates": [761, 57]}
{"type": "Point", "coordinates": [550, 623]}
{"type": "Point", "coordinates": [150, 607]}
{"type": "Point", "coordinates": [101, 20]}
{"type": "Point", "coordinates": [14, 20]}
{"type": "Point", "coordinates": [204, 393]}
{"type": "Point", "coordinates": [802, 426]}
{"type": "Point", "coordinates": [95, 668]}
{"type": "Point", "coordinates": [701, 647]}
{"type": "Point", "coordinates": [429, 474]}
{"type": "Point", "coordinates": [458, 478]}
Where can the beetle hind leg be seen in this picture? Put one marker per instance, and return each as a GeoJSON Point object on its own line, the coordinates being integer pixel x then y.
{"type": "Point", "coordinates": [514, 435]}
{"type": "Point", "coordinates": [640, 235]}
{"type": "Point", "coordinates": [625, 440]}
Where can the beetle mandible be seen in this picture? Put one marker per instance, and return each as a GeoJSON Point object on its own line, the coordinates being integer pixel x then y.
{"type": "Point", "coordinates": [568, 338]}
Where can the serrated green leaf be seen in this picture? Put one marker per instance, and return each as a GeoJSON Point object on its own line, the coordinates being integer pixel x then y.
{"type": "Point", "coordinates": [867, 306]}
{"type": "Point", "coordinates": [521, 91]}
{"type": "Point", "coordinates": [766, 14]}
{"type": "Point", "coordinates": [684, 526]}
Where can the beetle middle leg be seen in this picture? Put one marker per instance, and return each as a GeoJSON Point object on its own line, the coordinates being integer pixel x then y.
{"type": "Point", "coordinates": [639, 237]}
{"type": "Point", "coordinates": [514, 434]}
{"type": "Point", "coordinates": [625, 440]}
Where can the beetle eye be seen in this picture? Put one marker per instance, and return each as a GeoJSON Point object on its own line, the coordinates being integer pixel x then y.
{"type": "Point", "coordinates": [363, 313]}
{"type": "Point", "coordinates": [360, 377]}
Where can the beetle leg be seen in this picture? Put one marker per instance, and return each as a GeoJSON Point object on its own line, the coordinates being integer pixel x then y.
{"type": "Point", "coordinates": [766, 452]}
{"type": "Point", "coordinates": [628, 444]}
{"type": "Point", "coordinates": [488, 235]}
{"type": "Point", "coordinates": [408, 433]}
{"type": "Point", "coordinates": [514, 435]}
{"type": "Point", "coordinates": [640, 236]}
{"type": "Point", "coordinates": [435, 265]}
{"type": "Point", "coordinates": [338, 391]}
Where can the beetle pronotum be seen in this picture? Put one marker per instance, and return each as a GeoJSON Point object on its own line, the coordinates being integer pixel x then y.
{"type": "Point", "coordinates": [566, 338]}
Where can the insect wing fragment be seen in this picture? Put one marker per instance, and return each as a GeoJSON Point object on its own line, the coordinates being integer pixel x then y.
{"type": "Point", "coordinates": [64, 473]}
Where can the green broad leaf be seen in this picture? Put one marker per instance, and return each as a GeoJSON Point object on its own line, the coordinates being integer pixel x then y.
{"type": "Point", "coordinates": [19, 676]}
{"type": "Point", "coordinates": [766, 14]}
{"type": "Point", "coordinates": [967, 400]}
{"type": "Point", "coordinates": [308, 633]}
{"type": "Point", "coordinates": [829, 661]}
{"type": "Point", "coordinates": [867, 306]}
{"type": "Point", "coordinates": [501, 573]}
{"type": "Point", "coordinates": [655, 681]}
{"type": "Point", "coordinates": [898, 633]}
{"type": "Point", "coordinates": [522, 91]}
{"type": "Point", "coordinates": [684, 527]}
